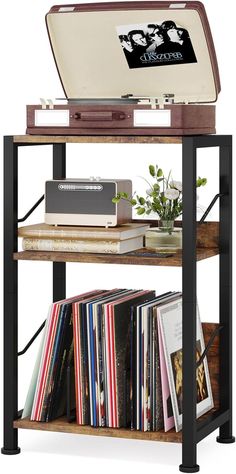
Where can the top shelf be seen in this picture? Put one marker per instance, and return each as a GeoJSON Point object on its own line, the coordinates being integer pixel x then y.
{"type": "Point", "coordinates": [50, 139]}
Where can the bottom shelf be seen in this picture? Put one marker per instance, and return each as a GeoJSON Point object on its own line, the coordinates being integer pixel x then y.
{"type": "Point", "coordinates": [61, 425]}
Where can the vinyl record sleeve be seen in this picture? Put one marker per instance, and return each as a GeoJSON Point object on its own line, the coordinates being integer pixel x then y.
{"type": "Point", "coordinates": [91, 324]}
{"type": "Point", "coordinates": [170, 316]}
{"type": "Point", "coordinates": [152, 373]}
{"type": "Point", "coordinates": [84, 414]}
{"type": "Point", "coordinates": [120, 317]}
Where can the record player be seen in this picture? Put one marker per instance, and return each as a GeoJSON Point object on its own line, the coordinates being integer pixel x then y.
{"type": "Point", "coordinates": [130, 68]}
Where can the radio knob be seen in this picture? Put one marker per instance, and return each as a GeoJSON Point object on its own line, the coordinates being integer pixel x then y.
{"type": "Point", "coordinates": [98, 178]}
{"type": "Point", "coordinates": [91, 178]}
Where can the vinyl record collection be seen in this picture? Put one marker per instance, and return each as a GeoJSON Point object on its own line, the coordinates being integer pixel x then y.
{"type": "Point", "coordinates": [123, 351]}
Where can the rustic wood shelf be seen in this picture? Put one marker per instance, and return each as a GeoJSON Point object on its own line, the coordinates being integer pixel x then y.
{"type": "Point", "coordinates": [49, 139]}
{"type": "Point", "coordinates": [62, 425]}
{"type": "Point", "coordinates": [126, 259]}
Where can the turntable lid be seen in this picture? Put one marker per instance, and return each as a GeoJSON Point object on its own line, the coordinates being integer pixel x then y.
{"type": "Point", "coordinates": [147, 49]}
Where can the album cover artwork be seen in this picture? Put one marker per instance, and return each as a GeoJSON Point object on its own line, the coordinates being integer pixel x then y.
{"type": "Point", "coordinates": [176, 363]}
{"type": "Point", "coordinates": [170, 317]}
{"type": "Point", "coordinates": [153, 44]}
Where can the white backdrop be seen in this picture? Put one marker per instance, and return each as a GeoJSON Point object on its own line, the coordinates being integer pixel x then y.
{"type": "Point", "coordinates": [27, 73]}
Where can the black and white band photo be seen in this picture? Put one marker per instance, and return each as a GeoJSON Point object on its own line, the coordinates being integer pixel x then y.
{"type": "Point", "coordinates": [153, 44]}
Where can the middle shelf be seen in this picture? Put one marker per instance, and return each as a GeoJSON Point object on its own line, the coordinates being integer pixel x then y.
{"type": "Point", "coordinates": [207, 246]}
{"type": "Point", "coordinates": [139, 257]}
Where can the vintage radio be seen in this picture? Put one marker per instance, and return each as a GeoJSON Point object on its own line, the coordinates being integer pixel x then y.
{"type": "Point", "coordinates": [130, 68]}
{"type": "Point", "coordinates": [86, 202]}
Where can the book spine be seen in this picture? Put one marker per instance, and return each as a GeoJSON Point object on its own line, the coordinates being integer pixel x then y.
{"type": "Point", "coordinates": [94, 246]}
{"type": "Point", "coordinates": [68, 245]}
{"type": "Point", "coordinates": [55, 232]}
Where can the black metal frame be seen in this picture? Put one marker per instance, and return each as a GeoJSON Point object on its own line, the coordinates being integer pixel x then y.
{"type": "Point", "coordinates": [193, 430]}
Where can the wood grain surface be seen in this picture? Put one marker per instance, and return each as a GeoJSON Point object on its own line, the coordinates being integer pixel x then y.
{"type": "Point", "coordinates": [43, 139]}
{"type": "Point", "coordinates": [137, 258]}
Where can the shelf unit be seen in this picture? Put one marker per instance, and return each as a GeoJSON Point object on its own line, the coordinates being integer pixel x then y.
{"type": "Point", "coordinates": [220, 353]}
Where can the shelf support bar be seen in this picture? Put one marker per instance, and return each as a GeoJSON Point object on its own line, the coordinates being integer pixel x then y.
{"type": "Point", "coordinates": [23, 219]}
{"type": "Point", "coordinates": [10, 297]}
{"type": "Point", "coordinates": [225, 243]}
{"type": "Point", "coordinates": [209, 344]}
{"type": "Point", "coordinates": [59, 268]}
{"type": "Point", "coordinates": [29, 344]}
{"type": "Point", "coordinates": [203, 218]}
{"type": "Point", "coordinates": [189, 430]}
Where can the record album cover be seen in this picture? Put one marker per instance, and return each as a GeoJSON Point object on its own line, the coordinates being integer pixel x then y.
{"type": "Point", "coordinates": [156, 44]}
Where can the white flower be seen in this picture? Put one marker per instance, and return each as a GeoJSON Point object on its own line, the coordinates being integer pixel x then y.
{"type": "Point", "coordinates": [171, 193]}
{"type": "Point", "coordinates": [149, 191]}
{"type": "Point", "coordinates": [177, 185]}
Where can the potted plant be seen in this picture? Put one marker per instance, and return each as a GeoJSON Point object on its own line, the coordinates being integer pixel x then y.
{"type": "Point", "coordinates": [164, 198]}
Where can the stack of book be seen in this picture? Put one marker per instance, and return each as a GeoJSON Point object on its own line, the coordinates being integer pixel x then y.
{"type": "Point", "coordinates": [123, 349]}
{"type": "Point", "coordinates": [114, 240]}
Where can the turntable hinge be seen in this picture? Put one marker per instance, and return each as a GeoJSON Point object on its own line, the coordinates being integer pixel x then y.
{"type": "Point", "coordinates": [46, 102]}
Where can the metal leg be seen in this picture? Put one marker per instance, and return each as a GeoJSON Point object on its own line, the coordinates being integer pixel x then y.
{"type": "Point", "coordinates": [189, 439]}
{"type": "Point", "coordinates": [59, 268]}
{"type": "Point", "coordinates": [225, 382]}
{"type": "Point", "coordinates": [10, 298]}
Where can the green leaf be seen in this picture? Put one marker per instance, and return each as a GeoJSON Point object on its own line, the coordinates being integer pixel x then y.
{"type": "Point", "coordinates": [124, 195]}
{"type": "Point", "coordinates": [142, 201]}
{"type": "Point", "coordinates": [133, 202]}
{"type": "Point", "coordinates": [159, 173]}
{"type": "Point", "coordinates": [201, 182]}
{"type": "Point", "coordinates": [115, 200]}
{"type": "Point", "coordinates": [156, 187]}
{"type": "Point", "coordinates": [163, 199]}
{"type": "Point", "coordinates": [140, 210]}
{"type": "Point", "coordinates": [152, 170]}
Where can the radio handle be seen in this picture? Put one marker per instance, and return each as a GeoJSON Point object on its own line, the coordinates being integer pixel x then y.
{"type": "Point", "coordinates": [99, 116]}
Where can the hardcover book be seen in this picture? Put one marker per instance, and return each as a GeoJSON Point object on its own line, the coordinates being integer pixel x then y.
{"type": "Point", "coordinates": [46, 231]}
{"type": "Point", "coordinates": [86, 246]}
